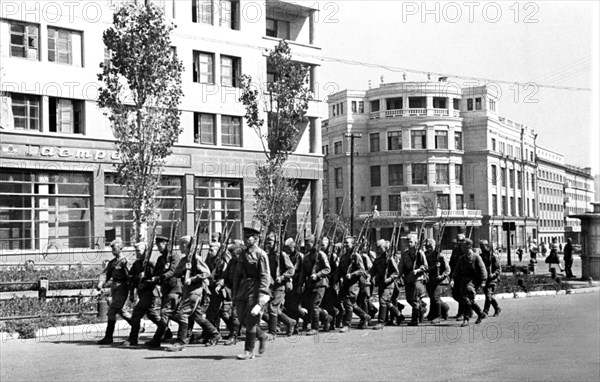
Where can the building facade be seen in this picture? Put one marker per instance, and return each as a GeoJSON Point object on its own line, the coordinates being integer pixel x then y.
{"type": "Point", "coordinates": [578, 196]}
{"type": "Point", "coordinates": [489, 177]}
{"type": "Point", "coordinates": [57, 153]}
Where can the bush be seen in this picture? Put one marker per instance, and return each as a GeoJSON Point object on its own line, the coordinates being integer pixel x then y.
{"type": "Point", "coordinates": [32, 275]}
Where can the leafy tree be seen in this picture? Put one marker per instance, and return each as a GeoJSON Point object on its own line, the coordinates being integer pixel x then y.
{"type": "Point", "coordinates": [285, 103]}
{"type": "Point", "coordinates": [141, 90]}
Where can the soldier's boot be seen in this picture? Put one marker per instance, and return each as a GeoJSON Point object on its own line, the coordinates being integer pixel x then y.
{"type": "Point", "coordinates": [486, 306]}
{"type": "Point", "coordinates": [248, 347]}
{"type": "Point", "coordinates": [422, 310]}
{"type": "Point", "coordinates": [133, 335]}
{"type": "Point", "coordinates": [158, 335]}
{"type": "Point", "coordinates": [272, 321]}
{"type": "Point", "coordinates": [372, 308]}
{"type": "Point", "coordinates": [365, 319]}
{"type": "Point", "coordinates": [182, 332]}
{"type": "Point", "coordinates": [289, 323]}
{"type": "Point", "coordinates": [262, 340]}
{"type": "Point", "coordinates": [108, 336]}
{"type": "Point", "coordinates": [480, 315]}
{"type": "Point", "coordinates": [445, 308]}
{"type": "Point", "coordinates": [168, 334]}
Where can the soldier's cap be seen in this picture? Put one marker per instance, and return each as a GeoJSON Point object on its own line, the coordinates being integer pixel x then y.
{"type": "Point", "coordinates": [215, 245]}
{"type": "Point", "coordinates": [430, 242]}
{"type": "Point", "coordinates": [249, 231]}
{"type": "Point", "coordinates": [238, 242]}
{"type": "Point", "coordinates": [310, 236]}
{"type": "Point", "coordinates": [185, 240]}
{"type": "Point", "coordinates": [460, 236]}
{"type": "Point", "coordinates": [484, 242]}
{"type": "Point", "coordinates": [216, 234]}
{"type": "Point", "coordinates": [159, 239]}
{"type": "Point", "coordinates": [117, 243]}
{"type": "Point", "coordinates": [383, 244]}
{"type": "Point", "coordinates": [140, 245]}
{"type": "Point", "coordinates": [288, 242]}
{"type": "Point", "coordinates": [468, 242]}
{"type": "Point", "coordinates": [411, 236]}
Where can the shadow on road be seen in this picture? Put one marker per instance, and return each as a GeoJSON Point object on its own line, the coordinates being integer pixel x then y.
{"type": "Point", "coordinates": [213, 357]}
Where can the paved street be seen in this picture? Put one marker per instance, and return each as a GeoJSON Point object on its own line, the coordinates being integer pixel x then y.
{"type": "Point", "coordinates": [541, 338]}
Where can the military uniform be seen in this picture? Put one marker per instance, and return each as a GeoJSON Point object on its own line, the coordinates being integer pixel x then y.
{"type": "Point", "coordinates": [314, 277]}
{"type": "Point", "coordinates": [492, 267]}
{"type": "Point", "coordinates": [470, 272]}
{"type": "Point", "coordinates": [457, 253]}
{"type": "Point", "coordinates": [413, 267]}
{"type": "Point", "coordinates": [282, 271]}
{"type": "Point", "coordinates": [330, 299]}
{"type": "Point", "coordinates": [293, 298]}
{"type": "Point", "coordinates": [385, 274]}
{"type": "Point", "coordinates": [439, 270]}
{"type": "Point", "coordinates": [350, 269]}
{"type": "Point", "coordinates": [364, 294]}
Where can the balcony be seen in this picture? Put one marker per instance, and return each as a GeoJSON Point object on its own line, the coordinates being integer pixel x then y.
{"type": "Point", "coordinates": [463, 213]}
{"type": "Point", "coordinates": [415, 112]}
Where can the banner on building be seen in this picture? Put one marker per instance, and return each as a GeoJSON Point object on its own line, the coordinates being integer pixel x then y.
{"type": "Point", "coordinates": [418, 203]}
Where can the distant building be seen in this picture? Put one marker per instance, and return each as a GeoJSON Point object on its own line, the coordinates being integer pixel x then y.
{"type": "Point", "coordinates": [578, 195]}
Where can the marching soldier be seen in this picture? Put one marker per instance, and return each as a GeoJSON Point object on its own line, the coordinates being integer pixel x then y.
{"type": "Point", "coordinates": [170, 285]}
{"type": "Point", "coordinates": [117, 271]}
{"type": "Point", "coordinates": [385, 274]}
{"type": "Point", "coordinates": [470, 273]}
{"type": "Point", "coordinates": [438, 273]}
{"type": "Point", "coordinates": [148, 296]}
{"type": "Point", "coordinates": [457, 253]}
{"type": "Point", "coordinates": [251, 292]}
{"type": "Point", "coordinates": [413, 267]}
{"type": "Point", "coordinates": [293, 299]}
{"type": "Point", "coordinates": [282, 271]}
{"type": "Point", "coordinates": [330, 299]}
{"type": "Point", "coordinates": [492, 267]}
{"type": "Point", "coordinates": [313, 276]}
{"type": "Point", "coordinates": [350, 268]}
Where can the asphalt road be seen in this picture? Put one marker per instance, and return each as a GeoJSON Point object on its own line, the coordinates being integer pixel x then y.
{"type": "Point", "coordinates": [542, 338]}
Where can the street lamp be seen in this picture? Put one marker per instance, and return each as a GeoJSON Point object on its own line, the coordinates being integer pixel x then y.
{"type": "Point", "coordinates": [352, 136]}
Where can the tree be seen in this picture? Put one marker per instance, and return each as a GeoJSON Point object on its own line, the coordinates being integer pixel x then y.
{"type": "Point", "coordinates": [336, 226]}
{"type": "Point", "coordinates": [141, 90]}
{"type": "Point", "coordinates": [285, 103]}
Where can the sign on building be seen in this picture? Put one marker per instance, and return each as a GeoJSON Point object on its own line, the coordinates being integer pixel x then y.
{"type": "Point", "coordinates": [418, 203]}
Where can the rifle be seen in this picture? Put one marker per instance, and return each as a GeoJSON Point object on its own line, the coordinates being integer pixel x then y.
{"type": "Point", "coordinates": [472, 226]}
{"type": "Point", "coordinates": [440, 237]}
{"type": "Point", "coordinates": [192, 249]}
{"type": "Point", "coordinates": [337, 220]}
{"type": "Point", "coordinates": [297, 240]}
{"type": "Point", "coordinates": [148, 253]}
{"type": "Point", "coordinates": [421, 234]}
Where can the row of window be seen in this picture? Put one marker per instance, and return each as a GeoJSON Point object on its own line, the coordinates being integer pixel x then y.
{"type": "Point", "coordinates": [226, 16]}
{"type": "Point", "coordinates": [579, 197]}
{"type": "Point", "coordinates": [396, 174]}
{"type": "Point", "coordinates": [550, 175]}
{"type": "Point", "coordinates": [506, 177]}
{"type": "Point", "coordinates": [394, 202]}
{"type": "Point", "coordinates": [509, 150]}
{"type": "Point", "coordinates": [64, 46]}
{"type": "Point", "coordinates": [551, 207]}
{"type": "Point", "coordinates": [205, 129]}
{"type": "Point", "coordinates": [516, 206]}
{"type": "Point", "coordinates": [551, 191]}
{"type": "Point", "coordinates": [551, 223]}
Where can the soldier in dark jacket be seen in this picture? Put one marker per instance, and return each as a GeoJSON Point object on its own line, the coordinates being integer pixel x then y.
{"type": "Point", "coordinates": [470, 273]}
{"type": "Point", "coordinates": [148, 295]}
{"type": "Point", "coordinates": [439, 270]}
{"type": "Point", "coordinates": [385, 273]}
{"type": "Point", "coordinates": [330, 300]}
{"type": "Point", "coordinates": [492, 266]}
{"type": "Point", "coordinates": [457, 253]}
{"type": "Point", "coordinates": [117, 271]}
{"type": "Point", "coordinates": [293, 299]}
{"type": "Point", "coordinates": [251, 292]}
{"type": "Point", "coordinates": [314, 278]}
{"type": "Point", "coordinates": [167, 274]}
{"type": "Point", "coordinates": [350, 269]}
{"type": "Point", "coordinates": [413, 267]}
{"type": "Point", "coordinates": [282, 271]}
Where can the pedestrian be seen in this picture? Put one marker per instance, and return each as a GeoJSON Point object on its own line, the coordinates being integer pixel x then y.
{"type": "Point", "coordinates": [568, 257]}
{"type": "Point", "coordinates": [470, 273]}
{"type": "Point", "coordinates": [413, 267]}
{"type": "Point", "coordinates": [492, 266]}
{"type": "Point", "coordinates": [553, 256]}
{"type": "Point", "coordinates": [350, 268]}
{"type": "Point", "coordinates": [533, 251]}
{"type": "Point", "coordinates": [117, 271]}
{"type": "Point", "coordinates": [251, 292]}
{"type": "Point", "coordinates": [148, 294]}
{"type": "Point", "coordinates": [314, 279]}
{"type": "Point", "coordinates": [544, 249]}
{"type": "Point", "coordinates": [439, 270]}
{"type": "Point", "coordinates": [520, 253]}
{"type": "Point", "coordinates": [457, 253]}
{"type": "Point", "coordinates": [385, 275]}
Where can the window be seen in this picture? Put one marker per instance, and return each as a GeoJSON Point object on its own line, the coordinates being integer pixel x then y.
{"type": "Point", "coordinates": [395, 202]}
{"type": "Point", "coordinates": [419, 173]}
{"type": "Point", "coordinates": [459, 201]}
{"type": "Point", "coordinates": [469, 104]}
{"type": "Point", "coordinates": [513, 206]}
{"type": "Point", "coordinates": [511, 174]}
{"type": "Point", "coordinates": [205, 129]}
{"type": "Point", "coordinates": [231, 131]}
{"type": "Point", "coordinates": [495, 205]}
{"type": "Point", "coordinates": [45, 209]}
{"type": "Point", "coordinates": [442, 175]}
{"type": "Point", "coordinates": [394, 139]}
{"type": "Point", "coordinates": [230, 71]}
{"type": "Point", "coordinates": [502, 147]}
{"type": "Point", "coordinates": [472, 201]}
{"type": "Point", "coordinates": [26, 111]}
{"type": "Point", "coordinates": [458, 174]}
{"type": "Point", "coordinates": [477, 103]}
{"type": "Point", "coordinates": [393, 103]}
{"type": "Point", "coordinates": [395, 175]}
{"type": "Point", "coordinates": [520, 204]}
{"type": "Point", "coordinates": [441, 139]}
{"type": "Point", "coordinates": [325, 149]}
{"type": "Point", "coordinates": [339, 207]}
{"type": "Point", "coordinates": [375, 106]}
{"type": "Point", "coordinates": [494, 175]}
{"type": "Point", "coordinates": [374, 142]}
{"type": "Point", "coordinates": [503, 175]}
{"type": "Point", "coordinates": [353, 103]}
{"type": "Point", "coordinates": [202, 12]}
{"type": "Point", "coordinates": [458, 142]}
{"type": "Point", "coordinates": [66, 115]}
{"type": "Point", "coordinates": [204, 67]}
{"type": "Point", "coordinates": [493, 144]}
{"type": "Point", "coordinates": [376, 201]}
{"type": "Point", "coordinates": [375, 176]}
{"type": "Point", "coordinates": [337, 148]}
{"type": "Point", "coordinates": [24, 40]}
{"type": "Point", "coordinates": [416, 102]}
{"type": "Point", "coordinates": [492, 105]}
{"type": "Point", "coordinates": [361, 107]}
{"type": "Point", "coordinates": [440, 102]}
{"type": "Point", "coordinates": [221, 203]}
{"type": "Point", "coordinates": [338, 178]}
{"type": "Point", "coordinates": [456, 103]}
{"type": "Point", "coordinates": [418, 139]}
{"type": "Point", "coordinates": [504, 206]}
{"type": "Point", "coordinates": [278, 28]}
{"type": "Point", "coordinates": [341, 108]}
{"type": "Point", "coordinates": [443, 201]}
{"type": "Point", "coordinates": [333, 107]}
{"type": "Point", "coordinates": [64, 46]}
{"type": "Point", "coordinates": [228, 10]}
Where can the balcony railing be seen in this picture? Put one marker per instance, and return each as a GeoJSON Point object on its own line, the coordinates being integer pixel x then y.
{"type": "Point", "coordinates": [439, 213]}
{"type": "Point", "coordinates": [418, 112]}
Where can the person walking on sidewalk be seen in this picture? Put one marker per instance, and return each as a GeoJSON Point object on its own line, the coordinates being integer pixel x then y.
{"type": "Point", "coordinates": [568, 257]}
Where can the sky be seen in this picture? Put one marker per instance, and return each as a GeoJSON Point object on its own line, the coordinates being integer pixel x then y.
{"type": "Point", "coordinates": [543, 43]}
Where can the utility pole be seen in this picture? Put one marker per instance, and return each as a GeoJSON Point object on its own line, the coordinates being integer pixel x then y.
{"type": "Point", "coordinates": [352, 136]}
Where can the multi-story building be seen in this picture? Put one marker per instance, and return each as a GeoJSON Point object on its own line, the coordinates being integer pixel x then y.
{"type": "Point", "coordinates": [578, 195]}
{"type": "Point", "coordinates": [56, 160]}
{"type": "Point", "coordinates": [490, 177]}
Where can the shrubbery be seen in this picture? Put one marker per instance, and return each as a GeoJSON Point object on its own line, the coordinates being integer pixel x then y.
{"type": "Point", "coordinates": [32, 275]}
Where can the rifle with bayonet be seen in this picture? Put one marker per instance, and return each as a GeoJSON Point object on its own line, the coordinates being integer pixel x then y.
{"type": "Point", "coordinates": [191, 256]}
